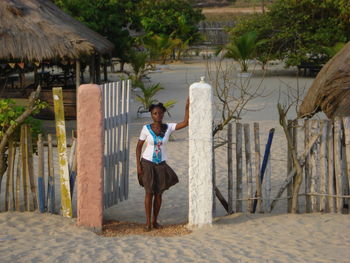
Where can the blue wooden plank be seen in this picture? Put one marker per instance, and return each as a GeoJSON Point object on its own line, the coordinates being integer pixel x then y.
{"type": "Point", "coordinates": [72, 177]}
{"type": "Point", "coordinates": [265, 160]}
{"type": "Point", "coordinates": [41, 193]}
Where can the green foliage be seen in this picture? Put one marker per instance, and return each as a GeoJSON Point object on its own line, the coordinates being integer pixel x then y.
{"type": "Point", "coordinates": [138, 62]}
{"type": "Point", "coordinates": [172, 21]}
{"type": "Point", "coordinates": [9, 112]}
{"type": "Point", "coordinates": [298, 31]}
{"type": "Point", "coordinates": [110, 18]}
{"type": "Point", "coordinates": [184, 37]}
{"type": "Point", "coordinates": [160, 46]}
{"type": "Point", "coordinates": [161, 17]}
{"type": "Point", "coordinates": [242, 49]}
{"type": "Point", "coordinates": [169, 104]}
{"type": "Point", "coordinates": [147, 98]}
{"type": "Point", "coordinates": [331, 51]}
{"type": "Point", "coordinates": [148, 93]}
{"type": "Point", "coordinates": [170, 27]}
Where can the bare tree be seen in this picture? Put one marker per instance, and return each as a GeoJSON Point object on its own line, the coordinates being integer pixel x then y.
{"type": "Point", "coordinates": [233, 93]}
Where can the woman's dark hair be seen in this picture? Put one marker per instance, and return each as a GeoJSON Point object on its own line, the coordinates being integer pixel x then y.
{"type": "Point", "coordinates": [159, 105]}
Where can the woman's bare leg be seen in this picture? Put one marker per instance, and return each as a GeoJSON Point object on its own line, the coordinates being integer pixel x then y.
{"type": "Point", "coordinates": [148, 209]}
{"type": "Point", "coordinates": [157, 203]}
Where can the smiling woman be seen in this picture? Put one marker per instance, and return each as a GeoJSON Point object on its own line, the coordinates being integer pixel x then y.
{"type": "Point", "coordinates": [154, 174]}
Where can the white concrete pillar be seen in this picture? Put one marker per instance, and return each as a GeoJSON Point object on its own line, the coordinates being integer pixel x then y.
{"type": "Point", "coordinates": [200, 155]}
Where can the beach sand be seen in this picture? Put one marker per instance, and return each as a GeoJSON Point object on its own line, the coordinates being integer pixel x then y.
{"type": "Point", "coordinates": [241, 237]}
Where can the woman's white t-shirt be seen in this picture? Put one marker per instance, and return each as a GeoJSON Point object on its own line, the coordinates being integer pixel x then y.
{"type": "Point", "coordinates": [156, 145]}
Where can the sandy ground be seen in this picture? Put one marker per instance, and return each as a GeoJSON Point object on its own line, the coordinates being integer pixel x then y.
{"type": "Point", "coordinates": [241, 237]}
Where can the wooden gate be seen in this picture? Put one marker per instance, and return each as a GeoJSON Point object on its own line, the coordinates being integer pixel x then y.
{"type": "Point", "coordinates": [116, 151]}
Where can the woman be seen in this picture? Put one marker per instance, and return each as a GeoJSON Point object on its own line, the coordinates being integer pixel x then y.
{"type": "Point", "coordinates": [152, 170]}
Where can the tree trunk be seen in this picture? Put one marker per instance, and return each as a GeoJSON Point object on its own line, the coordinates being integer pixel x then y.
{"type": "Point", "coordinates": [299, 172]}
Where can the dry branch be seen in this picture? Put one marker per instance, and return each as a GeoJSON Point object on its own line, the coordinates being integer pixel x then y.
{"type": "Point", "coordinates": [290, 176]}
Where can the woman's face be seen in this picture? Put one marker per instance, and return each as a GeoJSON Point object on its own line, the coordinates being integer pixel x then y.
{"type": "Point", "coordinates": [157, 114]}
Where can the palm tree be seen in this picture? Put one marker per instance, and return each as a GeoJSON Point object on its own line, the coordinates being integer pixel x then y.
{"type": "Point", "coordinates": [147, 98]}
{"type": "Point", "coordinates": [160, 46]}
{"type": "Point", "coordinates": [242, 49]}
{"type": "Point", "coordinates": [138, 62]}
{"type": "Point", "coordinates": [183, 36]}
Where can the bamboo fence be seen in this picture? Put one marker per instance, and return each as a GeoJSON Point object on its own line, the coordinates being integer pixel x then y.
{"type": "Point", "coordinates": [324, 157]}
{"type": "Point", "coordinates": [25, 189]}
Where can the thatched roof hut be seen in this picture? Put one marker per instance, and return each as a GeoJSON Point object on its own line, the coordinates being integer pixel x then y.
{"type": "Point", "coordinates": [330, 91]}
{"type": "Point", "coordinates": [36, 30]}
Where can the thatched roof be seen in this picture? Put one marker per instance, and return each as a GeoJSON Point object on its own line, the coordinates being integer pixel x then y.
{"type": "Point", "coordinates": [36, 30]}
{"type": "Point", "coordinates": [330, 91]}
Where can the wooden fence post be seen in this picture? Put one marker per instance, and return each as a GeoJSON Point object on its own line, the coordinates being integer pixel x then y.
{"type": "Point", "coordinates": [314, 167]}
{"type": "Point", "coordinates": [338, 163]}
{"type": "Point", "coordinates": [24, 162]}
{"type": "Point", "coordinates": [66, 202]}
{"type": "Point", "coordinates": [295, 144]}
{"type": "Point", "coordinates": [18, 178]}
{"type": "Point", "coordinates": [229, 168]}
{"type": "Point", "coordinates": [257, 166]}
{"type": "Point", "coordinates": [72, 164]}
{"type": "Point", "coordinates": [51, 177]}
{"type": "Point", "coordinates": [41, 180]}
{"type": "Point", "coordinates": [346, 123]}
{"type": "Point", "coordinates": [239, 166]}
{"type": "Point", "coordinates": [324, 165]}
{"type": "Point", "coordinates": [249, 172]}
{"type": "Point", "coordinates": [331, 189]}
{"type": "Point", "coordinates": [9, 194]}
{"type": "Point", "coordinates": [293, 131]}
{"type": "Point", "coordinates": [267, 187]}
{"type": "Point", "coordinates": [33, 192]}
{"type": "Point", "coordinates": [307, 129]}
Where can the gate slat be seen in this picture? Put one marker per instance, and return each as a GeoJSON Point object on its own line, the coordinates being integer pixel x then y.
{"type": "Point", "coordinates": [127, 140]}
{"type": "Point", "coordinates": [122, 183]}
{"type": "Point", "coordinates": [114, 146]}
{"type": "Point", "coordinates": [117, 192]}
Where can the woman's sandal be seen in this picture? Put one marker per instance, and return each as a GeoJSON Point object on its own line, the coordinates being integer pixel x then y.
{"type": "Point", "coordinates": [147, 228]}
{"type": "Point", "coordinates": [157, 226]}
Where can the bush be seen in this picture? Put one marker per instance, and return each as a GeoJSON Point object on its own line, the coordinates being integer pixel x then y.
{"type": "Point", "coordinates": [9, 112]}
{"type": "Point", "coordinates": [298, 31]}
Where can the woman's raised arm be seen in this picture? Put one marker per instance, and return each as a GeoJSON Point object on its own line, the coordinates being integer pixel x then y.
{"type": "Point", "coordinates": [184, 123]}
